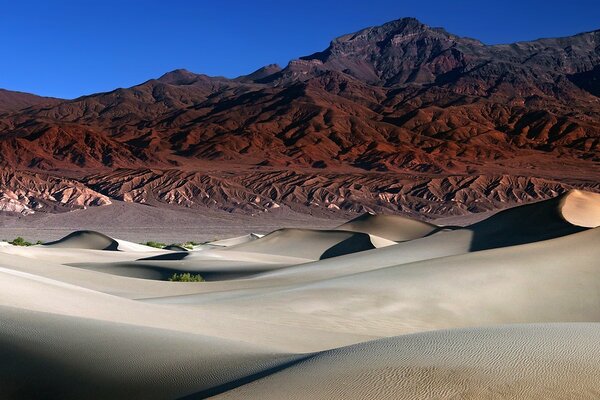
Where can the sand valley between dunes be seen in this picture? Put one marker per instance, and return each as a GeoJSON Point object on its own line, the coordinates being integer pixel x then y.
{"type": "Point", "coordinates": [379, 307]}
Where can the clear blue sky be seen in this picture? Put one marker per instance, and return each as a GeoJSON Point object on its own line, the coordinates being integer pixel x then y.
{"type": "Point", "coordinates": [67, 48]}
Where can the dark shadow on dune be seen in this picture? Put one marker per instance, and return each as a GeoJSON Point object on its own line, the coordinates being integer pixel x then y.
{"type": "Point", "coordinates": [130, 269]}
{"type": "Point", "coordinates": [162, 270]}
{"type": "Point", "coordinates": [245, 380]}
{"type": "Point", "coordinates": [520, 225]}
{"type": "Point", "coordinates": [447, 228]}
{"type": "Point", "coordinates": [180, 255]}
{"type": "Point", "coordinates": [355, 243]}
{"type": "Point", "coordinates": [19, 365]}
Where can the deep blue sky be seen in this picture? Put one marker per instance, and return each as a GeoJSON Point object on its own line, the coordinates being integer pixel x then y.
{"type": "Point", "coordinates": [67, 48]}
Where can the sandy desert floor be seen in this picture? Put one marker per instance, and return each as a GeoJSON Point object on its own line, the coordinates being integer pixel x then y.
{"type": "Point", "coordinates": [140, 223]}
{"type": "Point", "coordinates": [380, 307]}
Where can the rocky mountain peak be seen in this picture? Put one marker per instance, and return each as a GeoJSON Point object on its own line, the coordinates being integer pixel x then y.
{"type": "Point", "coordinates": [260, 73]}
{"type": "Point", "coordinates": [179, 77]}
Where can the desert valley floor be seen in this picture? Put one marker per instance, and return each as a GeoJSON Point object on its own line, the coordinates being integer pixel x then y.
{"type": "Point", "coordinates": [381, 307]}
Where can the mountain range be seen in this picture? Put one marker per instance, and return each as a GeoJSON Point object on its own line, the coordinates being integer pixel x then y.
{"type": "Point", "coordinates": [400, 117]}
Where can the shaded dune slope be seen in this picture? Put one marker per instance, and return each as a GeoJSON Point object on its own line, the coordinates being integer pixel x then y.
{"type": "Point", "coordinates": [79, 358]}
{"type": "Point", "coordinates": [163, 267]}
{"type": "Point", "coordinates": [569, 213]}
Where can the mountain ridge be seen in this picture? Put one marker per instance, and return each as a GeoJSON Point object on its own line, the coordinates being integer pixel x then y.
{"type": "Point", "coordinates": [397, 99]}
{"type": "Point", "coordinates": [11, 101]}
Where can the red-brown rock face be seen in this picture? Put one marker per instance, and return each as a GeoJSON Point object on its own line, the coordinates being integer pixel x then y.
{"type": "Point", "coordinates": [400, 117]}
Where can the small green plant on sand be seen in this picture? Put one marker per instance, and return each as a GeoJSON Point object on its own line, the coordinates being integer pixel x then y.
{"type": "Point", "coordinates": [185, 245]}
{"type": "Point", "coordinates": [19, 241]}
{"type": "Point", "coordinates": [189, 245]}
{"type": "Point", "coordinates": [186, 277]}
{"type": "Point", "coordinates": [158, 245]}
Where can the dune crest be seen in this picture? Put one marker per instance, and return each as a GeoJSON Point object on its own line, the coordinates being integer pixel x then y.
{"type": "Point", "coordinates": [89, 240]}
{"type": "Point", "coordinates": [392, 227]}
{"type": "Point", "coordinates": [236, 240]}
{"type": "Point", "coordinates": [310, 243]}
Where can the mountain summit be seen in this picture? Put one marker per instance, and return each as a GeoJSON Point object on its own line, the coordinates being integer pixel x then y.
{"type": "Point", "coordinates": [400, 51]}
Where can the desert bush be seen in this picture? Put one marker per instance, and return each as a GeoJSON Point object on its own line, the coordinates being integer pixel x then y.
{"type": "Point", "coordinates": [185, 245]}
{"type": "Point", "coordinates": [158, 245]}
{"type": "Point", "coordinates": [19, 241]}
{"type": "Point", "coordinates": [175, 245]}
{"type": "Point", "coordinates": [186, 277]}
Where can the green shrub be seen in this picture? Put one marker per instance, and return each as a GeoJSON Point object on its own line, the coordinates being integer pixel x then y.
{"type": "Point", "coordinates": [19, 241]}
{"type": "Point", "coordinates": [158, 245]}
{"type": "Point", "coordinates": [186, 277]}
{"type": "Point", "coordinates": [189, 245]}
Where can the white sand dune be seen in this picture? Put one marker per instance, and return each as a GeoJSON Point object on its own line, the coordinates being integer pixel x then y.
{"type": "Point", "coordinates": [392, 227]}
{"type": "Point", "coordinates": [92, 240]}
{"type": "Point", "coordinates": [519, 225]}
{"type": "Point", "coordinates": [310, 243]}
{"type": "Point", "coordinates": [236, 240]}
{"type": "Point", "coordinates": [581, 208]}
{"type": "Point", "coordinates": [124, 245]}
{"type": "Point", "coordinates": [547, 361]}
{"type": "Point", "coordinates": [275, 317]}
{"type": "Point", "coordinates": [569, 213]}
{"type": "Point", "coordinates": [31, 292]}
{"type": "Point", "coordinates": [550, 281]}
{"type": "Point", "coordinates": [210, 269]}
{"type": "Point", "coordinates": [85, 240]}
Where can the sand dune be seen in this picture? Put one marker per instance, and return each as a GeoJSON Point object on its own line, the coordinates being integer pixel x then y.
{"type": "Point", "coordinates": [581, 208]}
{"type": "Point", "coordinates": [85, 240]}
{"type": "Point", "coordinates": [519, 225]}
{"type": "Point", "coordinates": [550, 281]}
{"type": "Point", "coordinates": [92, 240]}
{"type": "Point", "coordinates": [392, 227]}
{"type": "Point", "coordinates": [236, 240]}
{"type": "Point", "coordinates": [80, 358]}
{"type": "Point", "coordinates": [550, 361]}
{"type": "Point", "coordinates": [277, 312]}
{"type": "Point", "coordinates": [310, 243]}
{"type": "Point", "coordinates": [569, 213]}
{"type": "Point", "coordinates": [162, 268]}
